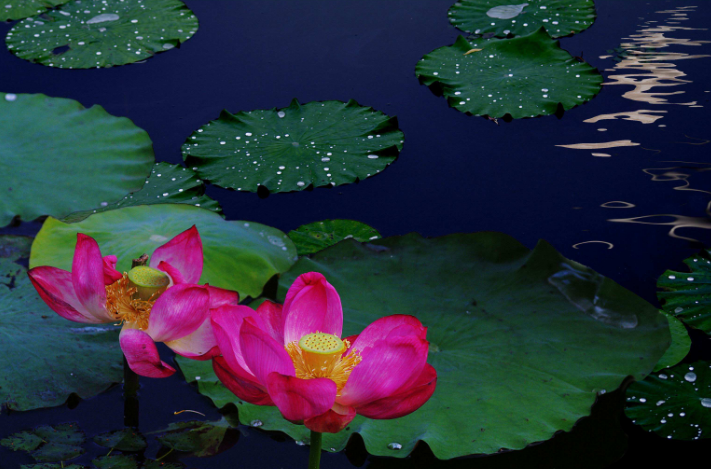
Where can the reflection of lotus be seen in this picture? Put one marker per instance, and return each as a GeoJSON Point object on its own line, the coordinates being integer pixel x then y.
{"type": "Point", "coordinates": [295, 359]}
{"type": "Point", "coordinates": [160, 303]}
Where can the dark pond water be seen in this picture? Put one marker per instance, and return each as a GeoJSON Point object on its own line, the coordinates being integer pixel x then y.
{"type": "Point", "coordinates": [457, 173]}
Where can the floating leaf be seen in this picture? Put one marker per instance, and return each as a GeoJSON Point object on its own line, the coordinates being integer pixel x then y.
{"type": "Point", "coordinates": [201, 439]}
{"type": "Point", "coordinates": [58, 157]}
{"type": "Point", "coordinates": [687, 296]}
{"type": "Point", "coordinates": [238, 255]}
{"type": "Point", "coordinates": [11, 10]}
{"type": "Point", "coordinates": [94, 33]}
{"type": "Point", "coordinates": [116, 461]}
{"type": "Point", "coordinates": [84, 359]}
{"type": "Point", "coordinates": [674, 403]}
{"type": "Point", "coordinates": [503, 17]}
{"type": "Point", "coordinates": [317, 143]}
{"type": "Point", "coordinates": [51, 465]}
{"type": "Point", "coordinates": [49, 443]}
{"type": "Point", "coordinates": [167, 184]}
{"type": "Point", "coordinates": [680, 344]}
{"type": "Point", "coordinates": [522, 341]}
{"type": "Point", "coordinates": [316, 236]}
{"type": "Point", "coordinates": [522, 77]}
{"type": "Point", "coordinates": [126, 439]}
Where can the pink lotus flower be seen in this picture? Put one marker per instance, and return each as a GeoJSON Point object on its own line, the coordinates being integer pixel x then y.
{"type": "Point", "coordinates": [293, 357]}
{"type": "Point", "coordinates": [160, 303]}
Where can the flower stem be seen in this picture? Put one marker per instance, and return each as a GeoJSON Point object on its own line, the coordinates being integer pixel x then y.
{"type": "Point", "coordinates": [130, 396]}
{"type": "Point", "coordinates": [315, 451]}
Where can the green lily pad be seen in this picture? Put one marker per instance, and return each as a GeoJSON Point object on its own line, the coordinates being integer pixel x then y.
{"type": "Point", "coordinates": [674, 403]}
{"type": "Point", "coordinates": [116, 461]}
{"type": "Point", "coordinates": [126, 439]}
{"type": "Point", "coordinates": [326, 143]}
{"type": "Point", "coordinates": [680, 344]}
{"type": "Point", "coordinates": [167, 184]}
{"type": "Point", "coordinates": [201, 439]}
{"type": "Point", "coordinates": [51, 465]}
{"type": "Point", "coordinates": [85, 359]}
{"type": "Point", "coordinates": [151, 464]}
{"type": "Point", "coordinates": [238, 255]}
{"type": "Point", "coordinates": [523, 341]}
{"type": "Point", "coordinates": [49, 443]}
{"type": "Point", "coordinates": [504, 17]}
{"type": "Point", "coordinates": [12, 10]}
{"type": "Point", "coordinates": [94, 33]}
{"type": "Point", "coordinates": [687, 296]}
{"type": "Point", "coordinates": [319, 235]}
{"type": "Point", "coordinates": [58, 157]}
{"type": "Point", "coordinates": [527, 76]}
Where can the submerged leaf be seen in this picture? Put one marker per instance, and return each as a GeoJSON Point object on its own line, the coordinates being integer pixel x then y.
{"type": "Point", "coordinates": [96, 33]}
{"type": "Point", "coordinates": [317, 143]}
{"type": "Point", "coordinates": [48, 443]}
{"type": "Point", "coordinates": [116, 461]}
{"type": "Point", "coordinates": [319, 235]}
{"type": "Point", "coordinates": [201, 439]}
{"type": "Point", "coordinates": [126, 439]}
{"type": "Point", "coordinates": [523, 341]}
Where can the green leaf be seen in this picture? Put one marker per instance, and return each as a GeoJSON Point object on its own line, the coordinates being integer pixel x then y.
{"type": "Point", "coordinates": [58, 157]}
{"type": "Point", "coordinates": [54, 452]}
{"type": "Point", "coordinates": [116, 461]}
{"type": "Point", "coordinates": [94, 33]}
{"type": "Point", "coordinates": [503, 17]}
{"type": "Point", "coordinates": [521, 77]}
{"type": "Point", "coordinates": [522, 341]}
{"type": "Point", "coordinates": [680, 344]}
{"type": "Point", "coordinates": [687, 296]}
{"type": "Point", "coordinates": [51, 466]}
{"type": "Point", "coordinates": [151, 464]}
{"type": "Point", "coordinates": [84, 359]}
{"type": "Point", "coordinates": [319, 235]}
{"type": "Point", "coordinates": [167, 184]}
{"type": "Point", "coordinates": [126, 439]}
{"type": "Point", "coordinates": [15, 247]}
{"type": "Point", "coordinates": [318, 143]}
{"type": "Point", "coordinates": [12, 10]}
{"type": "Point", "coordinates": [674, 403]}
{"type": "Point", "coordinates": [22, 441]}
{"type": "Point", "coordinates": [201, 439]}
{"type": "Point", "coordinates": [238, 255]}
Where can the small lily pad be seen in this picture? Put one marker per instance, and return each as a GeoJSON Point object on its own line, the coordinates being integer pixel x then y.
{"type": "Point", "coordinates": [126, 439]}
{"type": "Point", "coordinates": [687, 295]}
{"type": "Point", "coordinates": [51, 465]}
{"type": "Point", "coordinates": [680, 344]}
{"type": "Point", "coordinates": [85, 359]}
{"type": "Point", "coordinates": [313, 144]}
{"type": "Point", "coordinates": [674, 403]}
{"type": "Point", "coordinates": [116, 461]}
{"type": "Point", "coordinates": [22, 441]}
{"type": "Point", "coordinates": [167, 184]}
{"type": "Point", "coordinates": [12, 10]}
{"type": "Point", "coordinates": [151, 464]}
{"type": "Point", "coordinates": [201, 439]}
{"type": "Point", "coordinates": [518, 18]}
{"type": "Point", "coordinates": [58, 157]}
{"type": "Point", "coordinates": [238, 255]}
{"type": "Point", "coordinates": [49, 443]}
{"type": "Point", "coordinates": [523, 341]}
{"type": "Point", "coordinates": [319, 235]}
{"type": "Point", "coordinates": [527, 76]}
{"type": "Point", "coordinates": [96, 33]}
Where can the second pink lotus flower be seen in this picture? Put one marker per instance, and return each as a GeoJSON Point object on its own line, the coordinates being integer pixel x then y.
{"type": "Point", "coordinates": [294, 358]}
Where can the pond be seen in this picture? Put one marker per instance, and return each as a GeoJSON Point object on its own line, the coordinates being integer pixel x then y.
{"type": "Point", "coordinates": [619, 184]}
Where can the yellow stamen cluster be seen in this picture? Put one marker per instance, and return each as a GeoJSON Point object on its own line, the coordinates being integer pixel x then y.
{"type": "Point", "coordinates": [120, 302]}
{"type": "Point", "coordinates": [319, 355]}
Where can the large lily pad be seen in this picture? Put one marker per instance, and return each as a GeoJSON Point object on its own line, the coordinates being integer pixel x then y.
{"type": "Point", "coordinates": [504, 17]}
{"type": "Point", "coordinates": [674, 403]}
{"type": "Point", "coordinates": [680, 344]}
{"type": "Point", "coordinates": [11, 10]}
{"type": "Point", "coordinates": [96, 33]}
{"type": "Point", "coordinates": [522, 77]}
{"type": "Point", "coordinates": [84, 360]}
{"type": "Point", "coordinates": [523, 341]}
{"type": "Point", "coordinates": [167, 184]}
{"type": "Point", "coordinates": [687, 296]}
{"type": "Point", "coordinates": [317, 143]}
{"type": "Point", "coordinates": [238, 255]}
{"type": "Point", "coordinates": [319, 235]}
{"type": "Point", "coordinates": [58, 157]}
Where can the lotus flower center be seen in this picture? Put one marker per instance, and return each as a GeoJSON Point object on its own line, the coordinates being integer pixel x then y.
{"type": "Point", "coordinates": [130, 299]}
{"type": "Point", "coordinates": [320, 355]}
